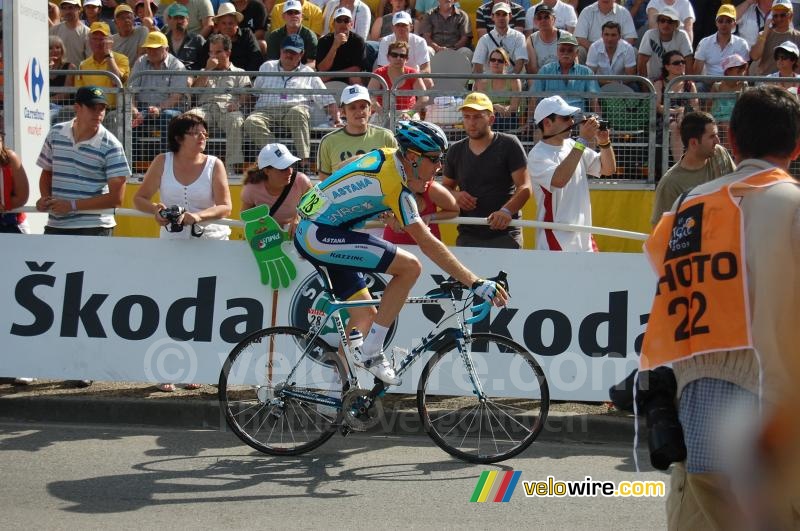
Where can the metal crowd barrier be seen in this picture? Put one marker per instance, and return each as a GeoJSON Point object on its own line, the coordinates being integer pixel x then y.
{"type": "Point", "coordinates": [707, 102]}
{"type": "Point", "coordinates": [637, 131]}
{"type": "Point", "coordinates": [631, 114]}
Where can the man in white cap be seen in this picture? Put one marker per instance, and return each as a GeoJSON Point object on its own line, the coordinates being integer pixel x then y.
{"type": "Point", "coordinates": [665, 38]}
{"type": "Point", "coordinates": [293, 25]}
{"type": "Point", "coordinates": [484, 17]}
{"type": "Point", "coordinates": [73, 32]}
{"type": "Point", "coordinates": [560, 168]}
{"type": "Point", "coordinates": [245, 49]}
{"type": "Point", "coordinates": [312, 16]}
{"type": "Point", "coordinates": [362, 16]}
{"type": "Point", "coordinates": [357, 137]}
{"type": "Point", "coordinates": [418, 52]}
{"type": "Point", "coordinates": [341, 50]}
{"type": "Point", "coordinates": [501, 36]}
{"type": "Point", "coordinates": [714, 48]}
{"type": "Point", "coordinates": [778, 31]}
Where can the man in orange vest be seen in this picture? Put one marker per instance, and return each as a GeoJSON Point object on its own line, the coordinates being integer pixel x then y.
{"type": "Point", "coordinates": [725, 315]}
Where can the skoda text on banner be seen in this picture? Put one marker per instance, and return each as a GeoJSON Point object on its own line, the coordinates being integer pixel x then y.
{"type": "Point", "coordinates": [93, 308]}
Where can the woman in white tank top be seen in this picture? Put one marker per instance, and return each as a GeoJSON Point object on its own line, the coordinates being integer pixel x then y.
{"type": "Point", "coordinates": [187, 177]}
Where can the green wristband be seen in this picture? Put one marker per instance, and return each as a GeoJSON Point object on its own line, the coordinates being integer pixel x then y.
{"type": "Point", "coordinates": [579, 146]}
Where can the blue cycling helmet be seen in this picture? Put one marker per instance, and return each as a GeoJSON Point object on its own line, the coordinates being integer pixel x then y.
{"type": "Point", "coordinates": [420, 136]}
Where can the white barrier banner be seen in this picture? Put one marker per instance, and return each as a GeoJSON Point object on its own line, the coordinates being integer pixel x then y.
{"type": "Point", "coordinates": [131, 309]}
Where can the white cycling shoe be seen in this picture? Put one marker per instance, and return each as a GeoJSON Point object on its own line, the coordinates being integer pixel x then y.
{"type": "Point", "coordinates": [379, 366]}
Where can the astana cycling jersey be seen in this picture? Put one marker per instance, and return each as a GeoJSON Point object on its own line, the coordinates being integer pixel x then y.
{"type": "Point", "coordinates": [360, 190]}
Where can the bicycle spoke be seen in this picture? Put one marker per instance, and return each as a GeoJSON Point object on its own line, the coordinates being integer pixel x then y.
{"type": "Point", "coordinates": [505, 421]}
{"type": "Point", "coordinates": [253, 382]}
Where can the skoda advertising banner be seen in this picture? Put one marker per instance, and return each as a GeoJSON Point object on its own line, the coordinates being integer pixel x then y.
{"type": "Point", "coordinates": [132, 309]}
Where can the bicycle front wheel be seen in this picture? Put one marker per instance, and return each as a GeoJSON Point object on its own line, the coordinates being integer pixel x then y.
{"type": "Point", "coordinates": [271, 411]}
{"type": "Point", "coordinates": [498, 426]}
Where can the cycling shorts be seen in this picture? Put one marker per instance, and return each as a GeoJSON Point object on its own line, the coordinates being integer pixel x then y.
{"type": "Point", "coordinates": [342, 254]}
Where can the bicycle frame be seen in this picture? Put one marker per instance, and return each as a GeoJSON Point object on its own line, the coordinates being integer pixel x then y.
{"type": "Point", "coordinates": [449, 327]}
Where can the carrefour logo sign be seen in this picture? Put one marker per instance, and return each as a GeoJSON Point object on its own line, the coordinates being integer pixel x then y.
{"type": "Point", "coordinates": [34, 80]}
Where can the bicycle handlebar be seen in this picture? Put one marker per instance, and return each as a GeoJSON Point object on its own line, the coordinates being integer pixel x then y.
{"type": "Point", "coordinates": [479, 311]}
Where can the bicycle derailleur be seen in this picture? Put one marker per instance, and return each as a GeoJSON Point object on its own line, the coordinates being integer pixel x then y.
{"type": "Point", "coordinates": [360, 411]}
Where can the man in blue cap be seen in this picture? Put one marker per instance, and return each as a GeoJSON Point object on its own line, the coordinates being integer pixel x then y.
{"type": "Point", "coordinates": [287, 107]}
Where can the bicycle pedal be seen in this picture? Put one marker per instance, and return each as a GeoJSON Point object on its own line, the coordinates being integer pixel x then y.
{"type": "Point", "coordinates": [345, 430]}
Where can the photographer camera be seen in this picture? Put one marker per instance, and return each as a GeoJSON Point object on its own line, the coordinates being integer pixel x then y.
{"type": "Point", "coordinates": [174, 215]}
{"type": "Point", "coordinates": [655, 398]}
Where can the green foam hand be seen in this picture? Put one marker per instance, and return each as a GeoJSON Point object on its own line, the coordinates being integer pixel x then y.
{"type": "Point", "coordinates": [266, 238]}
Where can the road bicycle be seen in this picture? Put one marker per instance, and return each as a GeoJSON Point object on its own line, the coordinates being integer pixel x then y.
{"type": "Point", "coordinates": [482, 397]}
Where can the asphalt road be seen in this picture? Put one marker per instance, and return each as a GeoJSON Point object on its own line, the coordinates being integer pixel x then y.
{"type": "Point", "coordinates": [69, 476]}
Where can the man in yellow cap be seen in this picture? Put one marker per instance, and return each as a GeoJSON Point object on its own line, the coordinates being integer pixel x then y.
{"type": "Point", "coordinates": [159, 94]}
{"type": "Point", "coordinates": [129, 38]}
{"type": "Point", "coordinates": [104, 58]}
{"type": "Point", "coordinates": [488, 175]}
{"type": "Point", "coordinates": [714, 48]}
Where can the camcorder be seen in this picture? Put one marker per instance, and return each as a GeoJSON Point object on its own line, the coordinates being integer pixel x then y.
{"type": "Point", "coordinates": [172, 214]}
{"type": "Point", "coordinates": [655, 397]}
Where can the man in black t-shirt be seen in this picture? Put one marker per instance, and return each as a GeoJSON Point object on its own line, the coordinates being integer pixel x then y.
{"type": "Point", "coordinates": [341, 50]}
{"type": "Point", "coordinates": [488, 175]}
{"type": "Point", "coordinates": [254, 17]}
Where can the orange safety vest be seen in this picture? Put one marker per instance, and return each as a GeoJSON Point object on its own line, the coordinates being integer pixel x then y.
{"type": "Point", "coordinates": [698, 252]}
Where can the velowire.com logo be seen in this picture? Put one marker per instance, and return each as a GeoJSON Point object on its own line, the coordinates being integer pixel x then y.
{"type": "Point", "coordinates": [494, 486]}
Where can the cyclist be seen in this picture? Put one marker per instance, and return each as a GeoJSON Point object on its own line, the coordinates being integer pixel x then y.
{"type": "Point", "coordinates": [379, 181]}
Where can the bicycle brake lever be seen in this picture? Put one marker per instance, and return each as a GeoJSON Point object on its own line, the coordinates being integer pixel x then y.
{"type": "Point", "coordinates": [479, 312]}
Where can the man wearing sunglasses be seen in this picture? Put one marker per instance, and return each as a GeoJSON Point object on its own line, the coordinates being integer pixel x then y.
{"type": "Point", "coordinates": [341, 50]}
{"type": "Point", "coordinates": [778, 31]}
{"type": "Point", "coordinates": [380, 181]}
{"type": "Point", "coordinates": [665, 38]}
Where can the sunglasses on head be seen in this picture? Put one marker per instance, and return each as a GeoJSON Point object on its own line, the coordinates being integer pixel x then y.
{"type": "Point", "coordinates": [398, 55]}
{"type": "Point", "coordinates": [678, 63]}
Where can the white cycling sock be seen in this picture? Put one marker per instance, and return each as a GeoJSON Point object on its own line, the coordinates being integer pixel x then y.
{"type": "Point", "coordinates": [373, 343]}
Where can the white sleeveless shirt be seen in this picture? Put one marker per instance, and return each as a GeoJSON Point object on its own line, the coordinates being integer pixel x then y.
{"type": "Point", "coordinates": [197, 196]}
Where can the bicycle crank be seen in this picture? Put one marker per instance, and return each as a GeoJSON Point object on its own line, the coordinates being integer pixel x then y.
{"type": "Point", "coordinates": [359, 411]}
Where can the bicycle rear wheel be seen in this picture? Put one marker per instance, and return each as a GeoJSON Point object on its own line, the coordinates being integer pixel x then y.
{"type": "Point", "coordinates": [505, 422]}
{"type": "Point", "coordinates": [275, 415]}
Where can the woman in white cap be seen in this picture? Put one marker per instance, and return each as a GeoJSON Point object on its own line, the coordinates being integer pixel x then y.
{"type": "Point", "coordinates": [274, 181]}
{"type": "Point", "coordinates": [722, 107]}
{"type": "Point", "coordinates": [186, 177]}
{"type": "Point", "coordinates": [786, 55]}
{"type": "Point", "coordinates": [383, 23]}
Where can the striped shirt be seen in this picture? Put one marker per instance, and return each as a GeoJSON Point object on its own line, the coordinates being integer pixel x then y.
{"type": "Point", "coordinates": [81, 171]}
